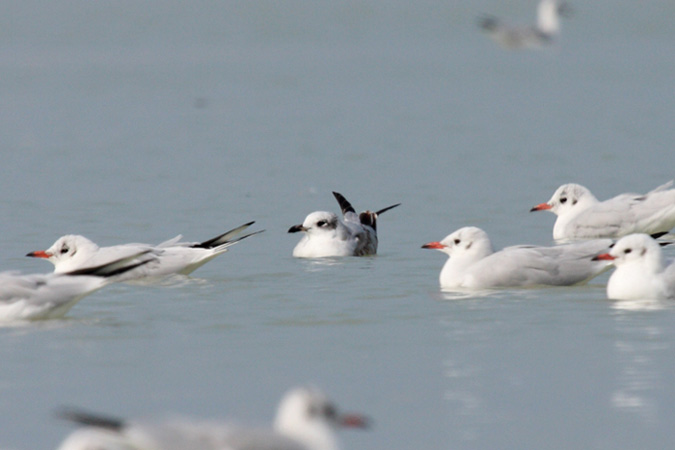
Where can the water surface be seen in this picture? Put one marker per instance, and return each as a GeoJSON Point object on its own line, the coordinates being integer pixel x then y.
{"type": "Point", "coordinates": [133, 122]}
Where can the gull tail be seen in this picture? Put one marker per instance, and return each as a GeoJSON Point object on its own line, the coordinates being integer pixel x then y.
{"type": "Point", "coordinates": [90, 419]}
{"type": "Point", "coordinates": [226, 239]}
{"type": "Point", "coordinates": [370, 218]}
{"type": "Point", "coordinates": [366, 217]}
{"type": "Point", "coordinates": [386, 209]}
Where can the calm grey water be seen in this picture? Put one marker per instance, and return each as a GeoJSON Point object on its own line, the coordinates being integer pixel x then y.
{"type": "Point", "coordinates": [134, 121]}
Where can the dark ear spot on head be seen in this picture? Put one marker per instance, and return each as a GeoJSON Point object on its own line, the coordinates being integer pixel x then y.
{"type": "Point", "coordinates": [574, 202]}
{"type": "Point", "coordinates": [644, 250]}
{"type": "Point", "coordinates": [469, 246]}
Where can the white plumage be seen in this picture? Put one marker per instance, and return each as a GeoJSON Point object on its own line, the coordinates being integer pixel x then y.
{"type": "Point", "coordinates": [582, 216]}
{"type": "Point", "coordinates": [49, 296]}
{"type": "Point", "coordinates": [642, 273]}
{"type": "Point", "coordinates": [72, 252]}
{"type": "Point", "coordinates": [473, 264]}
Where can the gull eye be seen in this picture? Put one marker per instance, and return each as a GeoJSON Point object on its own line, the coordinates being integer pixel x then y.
{"type": "Point", "coordinates": [328, 411]}
{"type": "Point", "coordinates": [457, 241]}
{"type": "Point", "coordinates": [321, 223]}
{"type": "Point", "coordinates": [563, 200]}
{"type": "Point", "coordinates": [627, 251]}
{"type": "Point", "coordinates": [64, 249]}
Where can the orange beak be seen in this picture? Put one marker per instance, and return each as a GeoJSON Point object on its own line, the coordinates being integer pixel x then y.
{"type": "Point", "coordinates": [435, 245]}
{"type": "Point", "coordinates": [604, 257]}
{"type": "Point", "coordinates": [40, 254]}
{"type": "Point", "coordinates": [541, 207]}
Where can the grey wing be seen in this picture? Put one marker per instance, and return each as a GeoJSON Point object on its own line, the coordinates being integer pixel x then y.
{"type": "Point", "coordinates": [260, 440]}
{"type": "Point", "coordinates": [14, 287]}
{"type": "Point", "coordinates": [364, 236]}
{"type": "Point", "coordinates": [513, 267]}
{"type": "Point", "coordinates": [553, 266]}
{"type": "Point", "coordinates": [629, 213]}
{"type": "Point", "coordinates": [106, 255]}
{"type": "Point", "coordinates": [655, 211]}
{"type": "Point", "coordinates": [367, 244]}
{"type": "Point", "coordinates": [607, 219]}
{"type": "Point", "coordinates": [213, 436]}
{"type": "Point", "coordinates": [573, 263]}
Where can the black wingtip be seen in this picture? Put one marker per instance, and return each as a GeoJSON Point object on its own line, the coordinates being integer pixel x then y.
{"type": "Point", "coordinates": [89, 419]}
{"type": "Point", "coordinates": [658, 235]}
{"type": "Point", "coordinates": [225, 237]}
{"type": "Point", "coordinates": [111, 269]}
{"type": "Point", "coordinates": [487, 22]}
{"type": "Point", "coordinates": [345, 206]}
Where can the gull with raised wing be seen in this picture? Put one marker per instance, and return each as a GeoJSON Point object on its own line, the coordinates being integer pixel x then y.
{"type": "Point", "coordinates": [306, 420]}
{"type": "Point", "coordinates": [72, 252]}
{"type": "Point", "coordinates": [543, 33]}
{"type": "Point", "coordinates": [582, 216]}
{"type": "Point", "coordinates": [642, 272]}
{"type": "Point", "coordinates": [50, 296]}
{"type": "Point", "coordinates": [326, 235]}
{"type": "Point", "coordinates": [473, 264]}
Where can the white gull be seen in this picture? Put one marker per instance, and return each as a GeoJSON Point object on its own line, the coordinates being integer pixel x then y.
{"type": "Point", "coordinates": [72, 252]}
{"type": "Point", "coordinates": [473, 264]}
{"type": "Point", "coordinates": [642, 272]}
{"type": "Point", "coordinates": [50, 296]}
{"type": "Point", "coordinates": [582, 216]}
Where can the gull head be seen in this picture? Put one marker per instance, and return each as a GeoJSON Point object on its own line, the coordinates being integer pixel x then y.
{"type": "Point", "coordinates": [566, 198]}
{"type": "Point", "coordinates": [635, 250]}
{"type": "Point", "coordinates": [66, 249]}
{"type": "Point", "coordinates": [308, 416]}
{"type": "Point", "coordinates": [467, 241]}
{"type": "Point", "coordinates": [317, 223]}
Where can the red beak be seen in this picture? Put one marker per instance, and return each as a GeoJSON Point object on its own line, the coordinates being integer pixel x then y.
{"type": "Point", "coordinates": [354, 421]}
{"type": "Point", "coordinates": [435, 245]}
{"type": "Point", "coordinates": [40, 254]}
{"type": "Point", "coordinates": [541, 207]}
{"type": "Point", "coordinates": [604, 257]}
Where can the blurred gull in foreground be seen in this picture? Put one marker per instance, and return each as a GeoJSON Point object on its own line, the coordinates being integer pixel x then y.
{"type": "Point", "coordinates": [50, 296]}
{"type": "Point", "coordinates": [521, 37]}
{"type": "Point", "coordinates": [326, 235]}
{"type": "Point", "coordinates": [306, 420]}
{"type": "Point", "coordinates": [473, 264]}
{"type": "Point", "coordinates": [72, 252]}
{"type": "Point", "coordinates": [582, 216]}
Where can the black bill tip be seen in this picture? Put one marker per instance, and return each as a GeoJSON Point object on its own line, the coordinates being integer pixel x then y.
{"type": "Point", "coordinates": [296, 228]}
